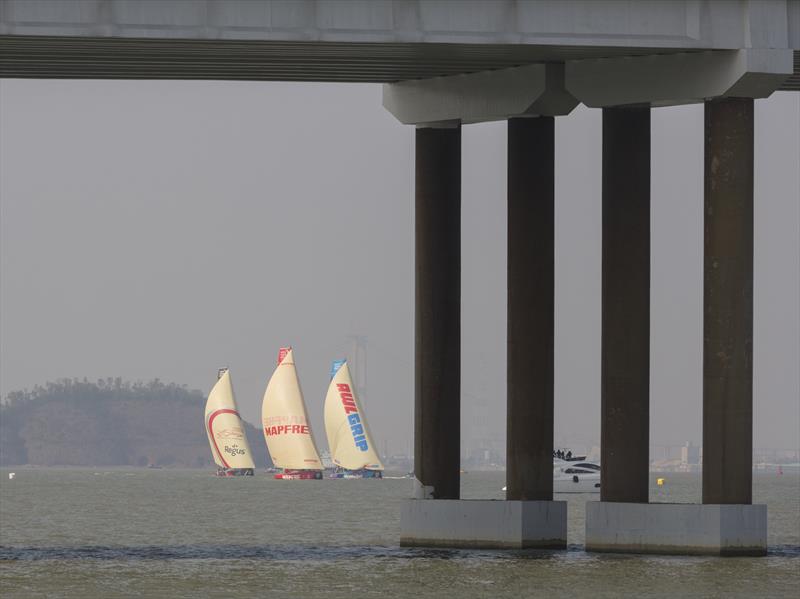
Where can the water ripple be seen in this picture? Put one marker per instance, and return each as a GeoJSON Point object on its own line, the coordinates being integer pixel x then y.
{"type": "Point", "coordinates": [288, 553]}
{"type": "Point", "coordinates": [261, 552]}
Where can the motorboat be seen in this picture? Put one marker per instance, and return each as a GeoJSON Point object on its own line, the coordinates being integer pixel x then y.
{"type": "Point", "coordinates": [574, 474]}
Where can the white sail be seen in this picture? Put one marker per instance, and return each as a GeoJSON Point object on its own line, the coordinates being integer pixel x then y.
{"type": "Point", "coordinates": [224, 427]}
{"type": "Point", "coordinates": [349, 438]}
{"type": "Point", "coordinates": [285, 421]}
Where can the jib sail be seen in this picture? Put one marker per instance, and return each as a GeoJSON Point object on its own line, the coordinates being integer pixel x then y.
{"type": "Point", "coordinates": [349, 438]}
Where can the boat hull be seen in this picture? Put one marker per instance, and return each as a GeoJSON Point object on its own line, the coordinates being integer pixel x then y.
{"type": "Point", "coordinates": [589, 483]}
{"type": "Point", "coordinates": [228, 472]}
{"type": "Point", "coordinates": [299, 475]}
{"type": "Point", "coordinates": [357, 474]}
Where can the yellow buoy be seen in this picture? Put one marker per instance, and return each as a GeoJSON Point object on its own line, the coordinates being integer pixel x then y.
{"type": "Point", "coordinates": [660, 482]}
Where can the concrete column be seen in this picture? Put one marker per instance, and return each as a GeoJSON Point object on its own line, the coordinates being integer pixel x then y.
{"type": "Point", "coordinates": [437, 418]}
{"type": "Point", "coordinates": [728, 302]}
{"type": "Point", "coordinates": [531, 230]}
{"type": "Point", "coordinates": [625, 370]}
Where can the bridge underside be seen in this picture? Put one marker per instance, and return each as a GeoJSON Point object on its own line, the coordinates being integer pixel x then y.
{"type": "Point", "coordinates": [55, 57]}
{"type": "Point", "coordinates": [58, 57]}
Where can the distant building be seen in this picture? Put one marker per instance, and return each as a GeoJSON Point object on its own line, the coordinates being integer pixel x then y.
{"type": "Point", "coordinates": [690, 454]}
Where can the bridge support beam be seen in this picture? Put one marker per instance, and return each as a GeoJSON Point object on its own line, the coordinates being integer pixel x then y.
{"type": "Point", "coordinates": [531, 309]}
{"type": "Point", "coordinates": [529, 519]}
{"type": "Point", "coordinates": [625, 334]}
{"type": "Point", "coordinates": [728, 302]}
{"type": "Point", "coordinates": [625, 342]}
{"type": "Point", "coordinates": [437, 416]}
{"type": "Point", "coordinates": [726, 523]}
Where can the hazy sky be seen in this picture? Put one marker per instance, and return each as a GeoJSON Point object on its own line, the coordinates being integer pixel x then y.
{"type": "Point", "coordinates": [165, 229]}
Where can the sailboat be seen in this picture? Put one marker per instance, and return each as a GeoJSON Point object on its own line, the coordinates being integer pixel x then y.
{"type": "Point", "coordinates": [285, 423]}
{"type": "Point", "coordinates": [225, 432]}
{"type": "Point", "coordinates": [352, 449]}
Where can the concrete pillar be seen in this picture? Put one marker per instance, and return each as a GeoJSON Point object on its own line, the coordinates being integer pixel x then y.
{"type": "Point", "coordinates": [625, 350]}
{"type": "Point", "coordinates": [437, 418]}
{"type": "Point", "coordinates": [622, 521]}
{"type": "Point", "coordinates": [728, 302]}
{"type": "Point", "coordinates": [531, 230]}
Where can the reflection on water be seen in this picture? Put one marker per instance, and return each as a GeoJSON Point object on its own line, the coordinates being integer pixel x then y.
{"type": "Point", "coordinates": [162, 533]}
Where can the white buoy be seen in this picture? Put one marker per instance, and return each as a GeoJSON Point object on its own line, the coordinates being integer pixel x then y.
{"type": "Point", "coordinates": [11, 475]}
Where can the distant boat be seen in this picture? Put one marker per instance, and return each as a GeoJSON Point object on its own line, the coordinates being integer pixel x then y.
{"type": "Point", "coordinates": [575, 475]}
{"type": "Point", "coordinates": [285, 423]}
{"type": "Point", "coordinates": [327, 462]}
{"type": "Point", "coordinates": [352, 449]}
{"type": "Point", "coordinates": [225, 432]}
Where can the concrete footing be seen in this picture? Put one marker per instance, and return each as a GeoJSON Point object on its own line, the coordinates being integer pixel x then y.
{"type": "Point", "coordinates": [680, 529]}
{"type": "Point", "coordinates": [486, 524]}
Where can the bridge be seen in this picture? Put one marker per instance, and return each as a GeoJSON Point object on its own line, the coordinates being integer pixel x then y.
{"type": "Point", "coordinates": [444, 65]}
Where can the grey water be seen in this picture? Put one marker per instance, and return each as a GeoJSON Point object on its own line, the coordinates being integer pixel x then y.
{"type": "Point", "coordinates": [185, 533]}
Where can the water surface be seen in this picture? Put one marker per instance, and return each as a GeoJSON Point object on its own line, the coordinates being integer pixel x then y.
{"type": "Point", "coordinates": [184, 533]}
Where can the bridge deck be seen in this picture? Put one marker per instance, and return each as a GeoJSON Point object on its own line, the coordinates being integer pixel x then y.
{"type": "Point", "coordinates": [366, 41]}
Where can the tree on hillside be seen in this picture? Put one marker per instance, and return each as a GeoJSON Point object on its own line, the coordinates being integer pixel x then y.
{"type": "Point", "coordinates": [108, 422]}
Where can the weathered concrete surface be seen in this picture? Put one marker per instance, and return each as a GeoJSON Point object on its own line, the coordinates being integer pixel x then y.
{"type": "Point", "coordinates": [484, 524]}
{"type": "Point", "coordinates": [437, 315]}
{"type": "Point", "coordinates": [728, 302]}
{"type": "Point", "coordinates": [625, 340]}
{"type": "Point", "coordinates": [679, 24]}
{"type": "Point", "coordinates": [681, 529]}
{"type": "Point", "coordinates": [531, 308]}
{"type": "Point", "coordinates": [536, 89]}
{"type": "Point", "coordinates": [668, 79]}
